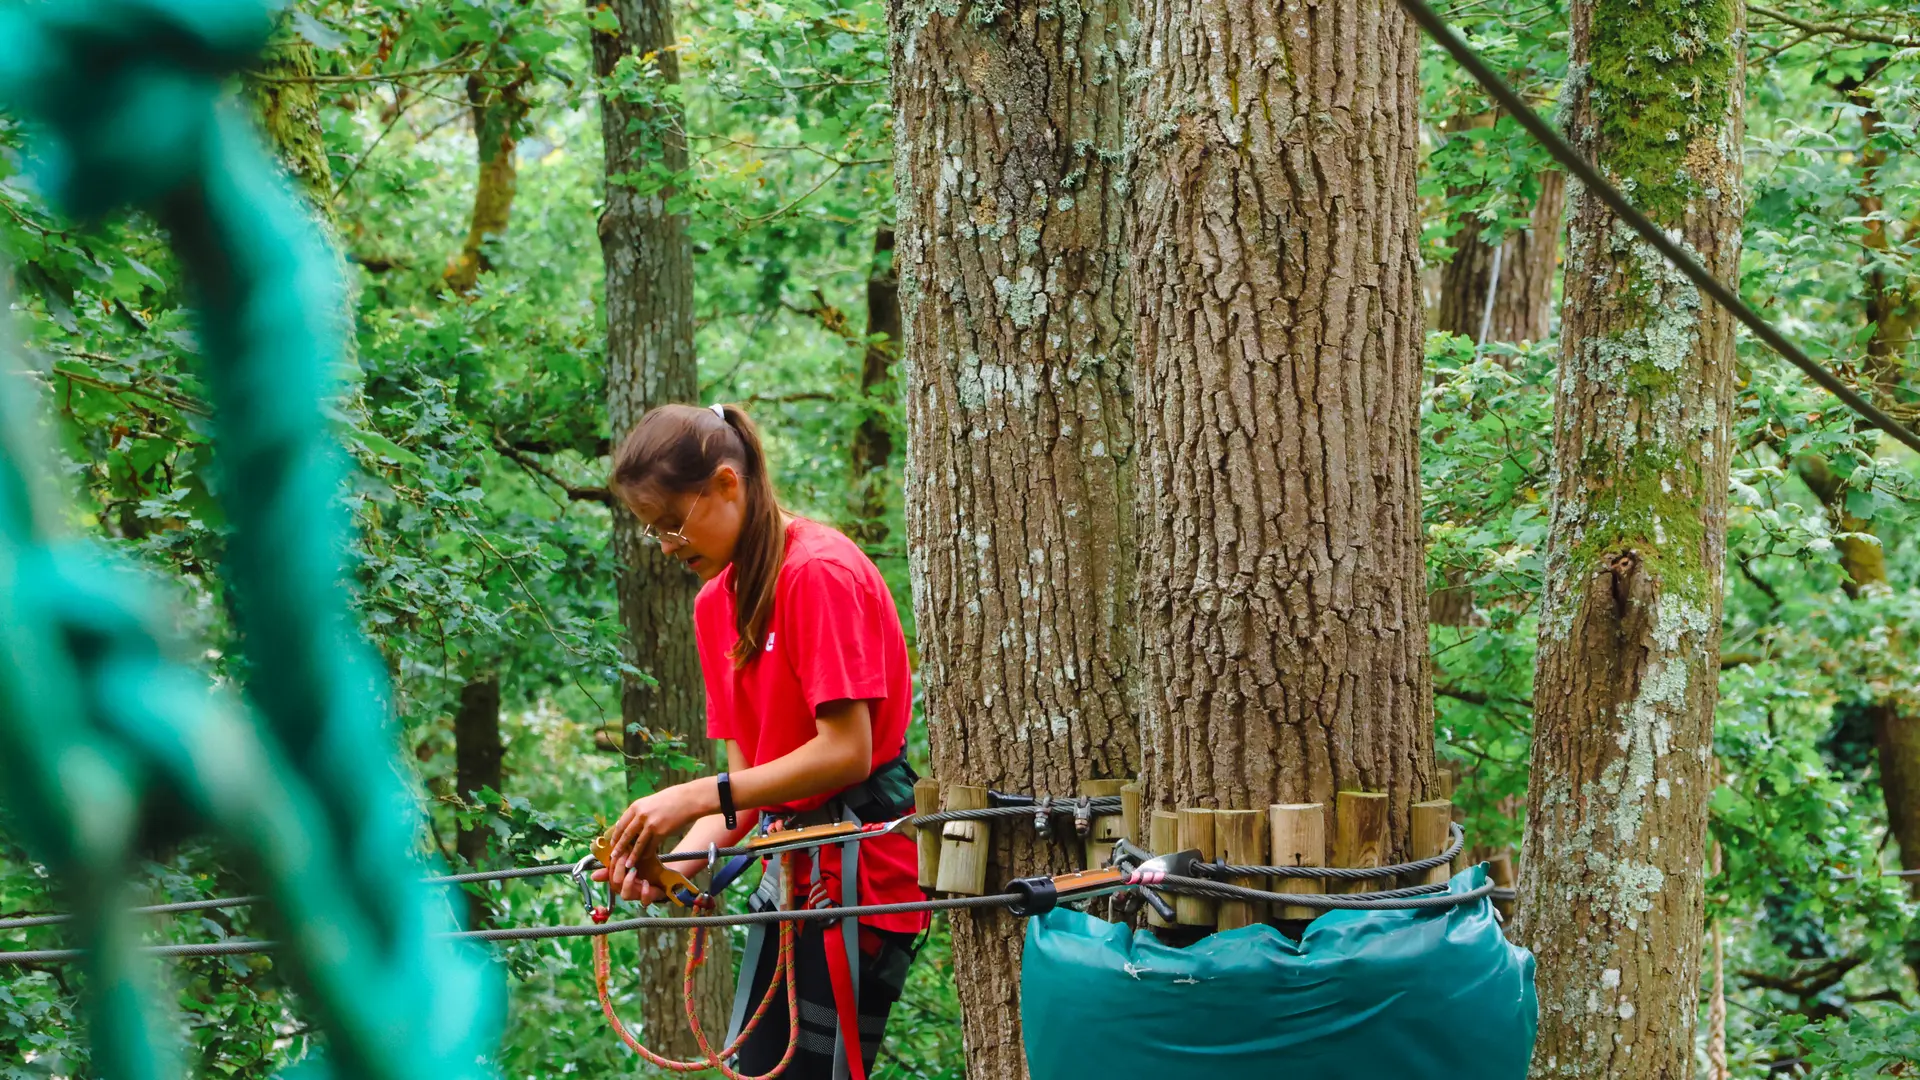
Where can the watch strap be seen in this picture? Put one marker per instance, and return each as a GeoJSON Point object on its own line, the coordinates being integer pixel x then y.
{"type": "Point", "coordinates": [725, 784]}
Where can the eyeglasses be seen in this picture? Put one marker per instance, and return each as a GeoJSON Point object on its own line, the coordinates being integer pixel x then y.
{"type": "Point", "coordinates": [674, 536]}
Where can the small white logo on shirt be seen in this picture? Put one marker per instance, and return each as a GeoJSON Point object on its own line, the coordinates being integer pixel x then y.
{"type": "Point", "coordinates": [769, 641]}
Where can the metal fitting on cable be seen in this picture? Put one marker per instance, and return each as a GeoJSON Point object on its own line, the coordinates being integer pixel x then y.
{"type": "Point", "coordinates": [1043, 817]}
{"type": "Point", "coordinates": [1083, 815]}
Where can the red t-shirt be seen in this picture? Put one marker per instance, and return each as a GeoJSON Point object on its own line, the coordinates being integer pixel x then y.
{"type": "Point", "coordinates": [834, 635]}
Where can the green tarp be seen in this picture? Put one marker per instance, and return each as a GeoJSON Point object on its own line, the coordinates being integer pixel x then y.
{"type": "Point", "coordinates": [1364, 995]}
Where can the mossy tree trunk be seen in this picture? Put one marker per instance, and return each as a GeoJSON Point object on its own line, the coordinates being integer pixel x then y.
{"type": "Point", "coordinates": [1012, 269]}
{"type": "Point", "coordinates": [650, 361]}
{"type": "Point", "coordinates": [1279, 349]}
{"type": "Point", "coordinates": [286, 101]}
{"type": "Point", "coordinates": [1611, 897]}
{"type": "Point", "coordinates": [499, 111]}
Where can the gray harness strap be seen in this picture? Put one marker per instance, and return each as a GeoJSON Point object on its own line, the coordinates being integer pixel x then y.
{"type": "Point", "coordinates": [765, 898]}
{"type": "Point", "coordinates": [850, 930]}
{"type": "Point", "coordinates": [771, 894]}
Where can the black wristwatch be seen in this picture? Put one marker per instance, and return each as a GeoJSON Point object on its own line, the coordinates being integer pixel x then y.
{"type": "Point", "coordinates": [726, 801]}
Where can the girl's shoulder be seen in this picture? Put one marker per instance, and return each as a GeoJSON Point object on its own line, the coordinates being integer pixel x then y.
{"type": "Point", "coordinates": [815, 550]}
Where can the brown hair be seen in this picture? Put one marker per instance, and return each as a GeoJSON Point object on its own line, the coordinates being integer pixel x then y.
{"type": "Point", "coordinates": [677, 449]}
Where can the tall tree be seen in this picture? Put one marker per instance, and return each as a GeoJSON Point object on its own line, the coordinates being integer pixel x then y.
{"type": "Point", "coordinates": [1282, 588]}
{"type": "Point", "coordinates": [1013, 289]}
{"type": "Point", "coordinates": [873, 438]}
{"type": "Point", "coordinates": [1504, 291]}
{"type": "Point", "coordinates": [1893, 317]}
{"type": "Point", "coordinates": [477, 750]}
{"type": "Point", "coordinates": [1627, 669]}
{"type": "Point", "coordinates": [286, 100]}
{"type": "Point", "coordinates": [498, 111]}
{"type": "Point", "coordinates": [650, 361]}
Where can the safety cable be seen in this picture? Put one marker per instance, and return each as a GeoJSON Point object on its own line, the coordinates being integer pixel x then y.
{"type": "Point", "coordinates": [1105, 804]}
{"type": "Point", "coordinates": [1437, 28]}
{"type": "Point", "coordinates": [1415, 897]}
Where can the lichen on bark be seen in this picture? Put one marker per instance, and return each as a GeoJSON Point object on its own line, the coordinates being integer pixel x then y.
{"type": "Point", "coordinates": [1017, 353]}
{"type": "Point", "coordinates": [1611, 890]}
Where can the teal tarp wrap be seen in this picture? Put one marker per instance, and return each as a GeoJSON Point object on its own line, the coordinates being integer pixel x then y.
{"type": "Point", "coordinates": [1364, 995]}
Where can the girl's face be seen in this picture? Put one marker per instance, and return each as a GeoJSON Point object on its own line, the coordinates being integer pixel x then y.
{"type": "Point", "coordinates": [700, 527]}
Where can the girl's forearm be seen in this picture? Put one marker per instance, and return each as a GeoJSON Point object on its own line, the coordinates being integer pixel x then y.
{"type": "Point", "coordinates": [712, 831]}
{"type": "Point", "coordinates": [824, 764]}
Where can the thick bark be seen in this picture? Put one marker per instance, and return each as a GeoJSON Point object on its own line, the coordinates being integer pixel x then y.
{"type": "Point", "coordinates": [1612, 899]}
{"type": "Point", "coordinates": [650, 361]}
{"type": "Point", "coordinates": [286, 101]}
{"type": "Point", "coordinates": [477, 751]}
{"type": "Point", "coordinates": [873, 438]}
{"type": "Point", "coordinates": [1012, 283]}
{"type": "Point", "coordinates": [1523, 293]}
{"type": "Point", "coordinates": [498, 112]}
{"type": "Point", "coordinates": [1279, 343]}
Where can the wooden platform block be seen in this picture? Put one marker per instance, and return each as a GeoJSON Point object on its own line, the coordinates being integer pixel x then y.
{"type": "Point", "coordinates": [1196, 831]}
{"type": "Point", "coordinates": [963, 845]}
{"type": "Point", "coordinates": [926, 800]}
{"type": "Point", "coordinates": [1500, 869]}
{"type": "Point", "coordinates": [1241, 836]}
{"type": "Point", "coordinates": [1163, 836]}
{"type": "Point", "coordinates": [1297, 836]}
{"type": "Point", "coordinates": [1106, 827]}
{"type": "Point", "coordinates": [1431, 821]}
{"type": "Point", "coordinates": [1360, 836]}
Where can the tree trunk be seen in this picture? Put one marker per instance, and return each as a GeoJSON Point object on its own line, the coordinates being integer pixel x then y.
{"type": "Point", "coordinates": [1626, 678]}
{"type": "Point", "coordinates": [1894, 319]}
{"type": "Point", "coordinates": [650, 361]}
{"type": "Point", "coordinates": [1522, 297]}
{"type": "Point", "coordinates": [477, 750]}
{"type": "Point", "coordinates": [286, 101]}
{"type": "Point", "coordinates": [498, 112]}
{"type": "Point", "coordinates": [1280, 345]}
{"type": "Point", "coordinates": [1014, 295]}
{"type": "Point", "coordinates": [873, 439]}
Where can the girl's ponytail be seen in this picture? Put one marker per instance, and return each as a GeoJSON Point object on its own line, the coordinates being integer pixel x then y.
{"type": "Point", "coordinates": [678, 448]}
{"type": "Point", "coordinates": [762, 546]}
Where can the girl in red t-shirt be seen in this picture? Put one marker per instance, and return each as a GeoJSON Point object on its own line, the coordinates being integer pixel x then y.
{"type": "Point", "coordinates": [807, 685]}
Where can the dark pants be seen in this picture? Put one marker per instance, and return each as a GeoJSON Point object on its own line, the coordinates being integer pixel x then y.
{"type": "Point", "coordinates": [884, 959]}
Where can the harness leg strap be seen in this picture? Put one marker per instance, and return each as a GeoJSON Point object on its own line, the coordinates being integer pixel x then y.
{"type": "Point", "coordinates": [766, 897]}
{"type": "Point", "coordinates": [842, 946]}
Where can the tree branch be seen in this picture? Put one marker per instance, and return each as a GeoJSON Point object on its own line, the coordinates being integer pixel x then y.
{"type": "Point", "coordinates": [536, 467]}
{"type": "Point", "coordinates": [1835, 29]}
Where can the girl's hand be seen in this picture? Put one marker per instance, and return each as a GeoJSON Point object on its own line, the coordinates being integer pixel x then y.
{"type": "Point", "coordinates": [632, 886]}
{"type": "Point", "coordinates": [649, 821]}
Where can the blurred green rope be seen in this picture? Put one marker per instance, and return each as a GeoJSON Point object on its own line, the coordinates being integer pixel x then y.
{"type": "Point", "coordinates": [109, 743]}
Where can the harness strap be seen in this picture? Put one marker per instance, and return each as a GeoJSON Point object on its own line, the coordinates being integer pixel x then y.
{"type": "Point", "coordinates": [841, 943]}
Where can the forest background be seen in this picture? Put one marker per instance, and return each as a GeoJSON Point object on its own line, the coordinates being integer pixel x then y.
{"type": "Point", "coordinates": [454, 150]}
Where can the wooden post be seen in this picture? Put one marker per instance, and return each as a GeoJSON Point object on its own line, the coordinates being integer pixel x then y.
{"type": "Point", "coordinates": [1106, 827]}
{"type": "Point", "coordinates": [1130, 822]}
{"type": "Point", "coordinates": [963, 845]}
{"type": "Point", "coordinates": [1164, 837]}
{"type": "Point", "coordinates": [1500, 868]}
{"type": "Point", "coordinates": [1196, 831]}
{"type": "Point", "coordinates": [1444, 785]}
{"type": "Point", "coordinates": [1242, 838]}
{"type": "Point", "coordinates": [1360, 835]}
{"type": "Point", "coordinates": [926, 800]}
{"type": "Point", "coordinates": [1431, 821]}
{"type": "Point", "coordinates": [1299, 838]}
